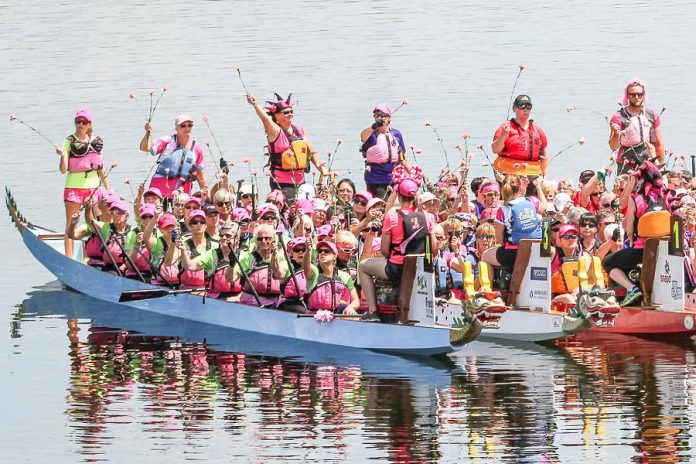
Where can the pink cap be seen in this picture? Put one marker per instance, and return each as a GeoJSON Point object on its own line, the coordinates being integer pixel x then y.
{"type": "Point", "coordinates": [240, 214]}
{"type": "Point", "coordinates": [147, 209]}
{"type": "Point", "coordinates": [197, 213]}
{"type": "Point", "coordinates": [119, 204]}
{"type": "Point", "coordinates": [195, 200]}
{"type": "Point", "coordinates": [567, 228]}
{"type": "Point", "coordinates": [325, 231]}
{"type": "Point", "coordinates": [327, 244]}
{"type": "Point", "coordinates": [154, 191]}
{"type": "Point", "coordinates": [374, 201]}
{"type": "Point", "coordinates": [452, 193]}
{"type": "Point", "coordinates": [305, 205]}
{"type": "Point", "coordinates": [383, 108]}
{"type": "Point", "coordinates": [267, 208]}
{"type": "Point", "coordinates": [182, 118]}
{"type": "Point", "coordinates": [84, 113]}
{"type": "Point", "coordinates": [364, 194]}
{"type": "Point", "coordinates": [489, 187]}
{"type": "Point", "coordinates": [166, 220]}
{"type": "Point", "coordinates": [276, 195]}
{"type": "Point", "coordinates": [110, 197]}
{"type": "Point", "coordinates": [408, 188]}
{"type": "Point", "coordinates": [296, 241]}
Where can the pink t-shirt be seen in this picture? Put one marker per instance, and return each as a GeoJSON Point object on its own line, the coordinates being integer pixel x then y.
{"type": "Point", "coordinates": [393, 224]}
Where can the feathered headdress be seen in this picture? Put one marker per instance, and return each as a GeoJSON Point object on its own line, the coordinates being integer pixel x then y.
{"type": "Point", "coordinates": [280, 104]}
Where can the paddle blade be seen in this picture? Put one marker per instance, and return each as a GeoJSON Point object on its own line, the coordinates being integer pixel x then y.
{"type": "Point", "coordinates": [136, 295]}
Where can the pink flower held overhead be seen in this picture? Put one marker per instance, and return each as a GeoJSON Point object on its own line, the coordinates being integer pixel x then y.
{"type": "Point", "coordinates": [205, 118]}
{"type": "Point", "coordinates": [664, 108]}
{"type": "Point", "coordinates": [466, 136]}
{"type": "Point", "coordinates": [427, 123]}
{"type": "Point", "coordinates": [458, 147]}
{"type": "Point", "coordinates": [207, 143]}
{"type": "Point", "coordinates": [329, 153]}
{"type": "Point", "coordinates": [470, 156]}
{"type": "Point", "coordinates": [479, 146]}
{"type": "Point", "coordinates": [680, 163]}
{"type": "Point", "coordinates": [339, 141]}
{"type": "Point", "coordinates": [419, 151]}
{"type": "Point", "coordinates": [581, 141]}
{"type": "Point", "coordinates": [126, 181]}
{"type": "Point", "coordinates": [165, 87]}
{"type": "Point", "coordinates": [610, 170]}
{"type": "Point", "coordinates": [152, 92]}
{"type": "Point", "coordinates": [522, 66]}
{"type": "Point", "coordinates": [404, 102]}
{"type": "Point", "coordinates": [12, 117]}
{"type": "Point", "coordinates": [254, 172]}
{"type": "Point", "coordinates": [569, 109]}
{"type": "Point", "coordinates": [412, 145]}
{"type": "Point", "coordinates": [246, 160]}
{"type": "Point", "coordinates": [333, 173]}
{"type": "Point", "coordinates": [113, 165]}
{"type": "Point", "coordinates": [131, 96]}
{"type": "Point", "coordinates": [236, 67]}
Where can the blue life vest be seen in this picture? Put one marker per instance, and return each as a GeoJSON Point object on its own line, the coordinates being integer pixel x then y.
{"type": "Point", "coordinates": [179, 163]}
{"type": "Point", "coordinates": [525, 221]}
{"type": "Point", "coordinates": [446, 278]}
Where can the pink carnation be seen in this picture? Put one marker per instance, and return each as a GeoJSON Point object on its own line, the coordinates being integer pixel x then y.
{"type": "Point", "coordinates": [427, 123]}
{"type": "Point", "coordinates": [329, 153]}
{"type": "Point", "coordinates": [339, 141]}
{"type": "Point", "coordinates": [113, 165]}
{"type": "Point", "coordinates": [522, 66]}
{"type": "Point", "coordinates": [236, 67]}
{"type": "Point", "coordinates": [165, 87]}
{"type": "Point", "coordinates": [323, 316]}
{"type": "Point", "coordinates": [205, 118]}
{"type": "Point", "coordinates": [126, 181]}
{"type": "Point", "coordinates": [470, 156]}
{"type": "Point", "coordinates": [581, 141]}
{"type": "Point", "coordinates": [412, 145]}
{"type": "Point", "coordinates": [404, 102]}
{"type": "Point", "coordinates": [569, 109]}
{"type": "Point", "coordinates": [246, 160]}
{"type": "Point", "coordinates": [479, 146]}
{"type": "Point", "coordinates": [253, 172]}
{"type": "Point", "coordinates": [152, 92]}
{"type": "Point", "coordinates": [12, 117]}
{"type": "Point", "coordinates": [458, 147]}
{"type": "Point", "coordinates": [610, 170]}
{"type": "Point", "coordinates": [419, 151]}
{"type": "Point", "coordinates": [131, 96]}
{"type": "Point", "coordinates": [466, 136]}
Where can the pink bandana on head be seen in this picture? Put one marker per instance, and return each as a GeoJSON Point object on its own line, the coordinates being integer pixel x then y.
{"type": "Point", "coordinates": [631, 83]}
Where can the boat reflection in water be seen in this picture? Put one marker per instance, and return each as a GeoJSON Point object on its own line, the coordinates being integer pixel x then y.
{"type": "Point", "coordinates": [160, 386]}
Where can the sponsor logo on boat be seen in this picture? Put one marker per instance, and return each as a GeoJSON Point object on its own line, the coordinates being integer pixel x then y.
{"type": "Point", "coordinates": [665, 279]}
{"type": "Point", "coordinates": [538, 294]}
{"type": "Point", "coordinates": [538, 273]}
{"type": "Point", "coordinates": [422, 284]}
{"type": "Point", "coordinates": [676, 290]}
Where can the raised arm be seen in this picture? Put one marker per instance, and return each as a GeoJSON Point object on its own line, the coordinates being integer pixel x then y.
{"type": "Point", "coordinates": [272, 129]}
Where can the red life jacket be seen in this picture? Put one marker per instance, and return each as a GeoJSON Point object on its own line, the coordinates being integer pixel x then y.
{"type": "Point", "coordinates": [93, 248]}
{"type": "Point", "coordinates": [523, 145]}
{"type": "Point", "coordinates": [328, 294]}
{"type": "Point", "coordinates": [261, 277]}
{"type": "Point", "coordinates": [194, 278]}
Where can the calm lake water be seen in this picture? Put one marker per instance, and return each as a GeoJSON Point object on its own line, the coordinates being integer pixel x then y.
{"type": "Point", "coordinates": [75, 390]}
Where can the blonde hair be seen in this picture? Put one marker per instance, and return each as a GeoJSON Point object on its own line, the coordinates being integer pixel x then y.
{"type": "Point", "coordinates": [451, 224]}
{"type": "Point", "coordinates": [512, 186]}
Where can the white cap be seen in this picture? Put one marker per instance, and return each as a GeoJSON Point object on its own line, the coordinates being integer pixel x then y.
{"type": "Point", "coordinates": [425, 197]}
{"type": "Point", "coordinates": [609, 231]}
{"type": "Point", "coordinates": [305, 191]}
{"type": "Point", "coordinates": [319, 204]}
{"type": "Point", "coordinates": [246, 189]}
{"type": "Point", "coordinates": [560, 200]}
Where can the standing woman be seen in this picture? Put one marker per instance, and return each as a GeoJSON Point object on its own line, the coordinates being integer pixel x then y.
{"type": "Point", "coordinates": [289, 148]}
{"type": "Point", "coordinates": [180, 158]}
{"type": "Point", "coordinates": [81, 159]}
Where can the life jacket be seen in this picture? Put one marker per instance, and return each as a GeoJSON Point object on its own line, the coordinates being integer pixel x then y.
{"type": "Point", "coordinates": [525, 221]}
{"type": "Point", "coordinates": [350, 267]}
{"type": "Point", "coordinates": [523, 147]}
{"type": "Point", "coordinates": [652, 218]}
{"type": "Point", "coordinates": [93, 248]}
{"type": "Point", "coordinates": [141, 263]}
{"type": "Point", "coordinates": [382, 148]}
{"type": "Point", "coordinates": [289, 289]}
{"type": "Point", "coordinates": [446, 278]}
{"type": "Point", "coordinates": [637, 132]}
{"type": "Point", "coordinates": [261, 277]}
{"type": "Point", "coordinates": [289, 151]}
{"type": "Point", "coordinates": [415, 231]}
{"type": "Point", "coordinates": [194, 278]}
{"type": "Point", "coordinates": [169, 273]}
{"type": "Point", "coordinates": [218, 282]}
{"type": "Point", "coordinates": [85, 156]}
{"type": "Point", "coordinates": [564, 273]}
{"type": "Point", "coordinates": [178, 163]}
{"type": "Point", "coordinates": [329, 294]}
{"type": "Point", "coordinates": [113, 247]}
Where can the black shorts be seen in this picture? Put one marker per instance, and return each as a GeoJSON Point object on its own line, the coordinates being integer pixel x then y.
{"type": "Point", "coordinates": [378, 190]}
{"type": "Point", "coordinates": [393, 271]}
{"type": "Point", "coordinates": [289, 190]}
{"type": "Point", "coordinates": [506, 256]}
{"type": "Point", "coordinates": [626, 260]}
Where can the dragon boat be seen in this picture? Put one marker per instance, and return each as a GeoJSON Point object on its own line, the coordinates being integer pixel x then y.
{"type": "Point", "coordinates": [416, 334]}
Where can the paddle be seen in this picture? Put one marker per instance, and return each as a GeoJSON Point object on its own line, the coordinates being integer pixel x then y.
{"type": "Point", "coordinates": [137, 295]}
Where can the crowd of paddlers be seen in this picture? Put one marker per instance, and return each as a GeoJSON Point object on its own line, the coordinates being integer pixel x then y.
{"type": "Point", "coordinates": [306, 248]}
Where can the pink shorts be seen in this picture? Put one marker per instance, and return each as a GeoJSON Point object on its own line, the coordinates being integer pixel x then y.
{"type": "Point", "coordinates": [77, 195]}
{"type": "Point", "coordinates": [166, 186]}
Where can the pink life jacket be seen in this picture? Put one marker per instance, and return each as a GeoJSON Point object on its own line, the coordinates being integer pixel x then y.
{"type": "Point", "coordinates": [85, 156]}
{"type": "Point", "coordinates": [113, 246]}
{"type": "Point", "coordinates": [385, 150]}
{"type": "Point", "coordinates": [261, 277]}
{"type": "Point", "coordinates": [637, 129]}
{"type": "Point", "coordinates": [290, 291]}
{"type": "Point", "coordinates": [93, 247]}
{"type": "Point", "coordinates": [194, 278]}
{"type": "Point", "coordinates": [328, 294]}
{"type": "Point", "coordinates": [218, 282]}
{"type": "Point", "coordinates": [141, 263]}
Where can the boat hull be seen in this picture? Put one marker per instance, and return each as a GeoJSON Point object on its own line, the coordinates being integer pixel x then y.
{"type": "Point", "coordinates": [652, 322]}
{"type": "Point", "coordinates": [393, 338]}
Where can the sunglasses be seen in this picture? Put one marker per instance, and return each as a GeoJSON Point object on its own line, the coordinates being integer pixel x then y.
{"type": "Point", "coordinates": [83, 122]}
{"type": "Point", "coordinates": [223, 203]}
{"type": "Point", "coordinates": [606, 205]}
{"type": "Point", "coordinates": [264, 239]}
{"type": "Point", "coordinates": [491, 194]}
{"type": "Point", "coordinates": [247, 195]}
{"type": "Point", "coordinates": [307, 229]}
{"type": "Point", "coordinates": [371, 229]}
{"type": "Point", "coordinates": [227, 235]}
{"type": "Point", "coordinates": [324, 251]}
{"type": "Point", "coordinates": [635, 94]}
{"type": "Point", "coordinates": [347, 250]}
{"type": "Point", "coordinates": [197, 223]}
{"type": "Point", "coordinates": [286, 112]}
{"type": "Point", "coordinates": [595, 194]}
{"type": "Point", "coordinates": [588, 224]}
{"type": "Point", "coordinates": [439, 237]}
{"type": "Point", "coordinates": [299, 250]}
{"type": "Point", "coordinates": [486, 237]}
{"type": "Point", "coordinates": [117, 212]}
{"type": "Point", "coordinates": [269, 218]}
{"type": "Point", "coordinates": [381, 115]}
{"type": "Point", "coordinates": [147, 216]}
{"type": "Point", "coordinates": [525, 106]}
{"type": "Point", "coordinates": [570, 236]}
{"type": "Point", "coordinates": [190, 207]}
{"type": "Point", "coordinates": [360, 202]}
{"type": "Point", "coordinates": [185, 125]}
{"type": "Point", "coordinates": [456, 233]}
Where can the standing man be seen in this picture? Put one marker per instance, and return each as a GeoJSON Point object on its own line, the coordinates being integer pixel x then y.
{"type": "Point", "coordinates": [180, 159]}
{"type": "Point", "coordinates": [635, 130]}
{"type": "Point", "coordinates": [519, 143]}
{"type": "Point", "coordinates": [383, 148]}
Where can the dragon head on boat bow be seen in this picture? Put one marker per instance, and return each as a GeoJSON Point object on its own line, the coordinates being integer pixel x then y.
{"type": "Point", "coordinates": [486, 307]}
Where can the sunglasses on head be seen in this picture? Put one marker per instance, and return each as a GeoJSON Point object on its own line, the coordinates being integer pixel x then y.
{"type": "Point", "coordinates": [347, 249]}
{"type": "Point", "coordinates": [185, 125]}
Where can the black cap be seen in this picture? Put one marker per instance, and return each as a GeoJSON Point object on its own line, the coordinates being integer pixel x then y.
{"type": "Point", "coordinates": [521, 99]}
{"type": "Point", "coordinates": [586, 175]}
{"type": "Point", "coordinates": [210, 209]}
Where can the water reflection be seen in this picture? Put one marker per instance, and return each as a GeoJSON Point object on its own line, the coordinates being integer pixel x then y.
{"type": "Point", "coordinates": [144, 381]}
